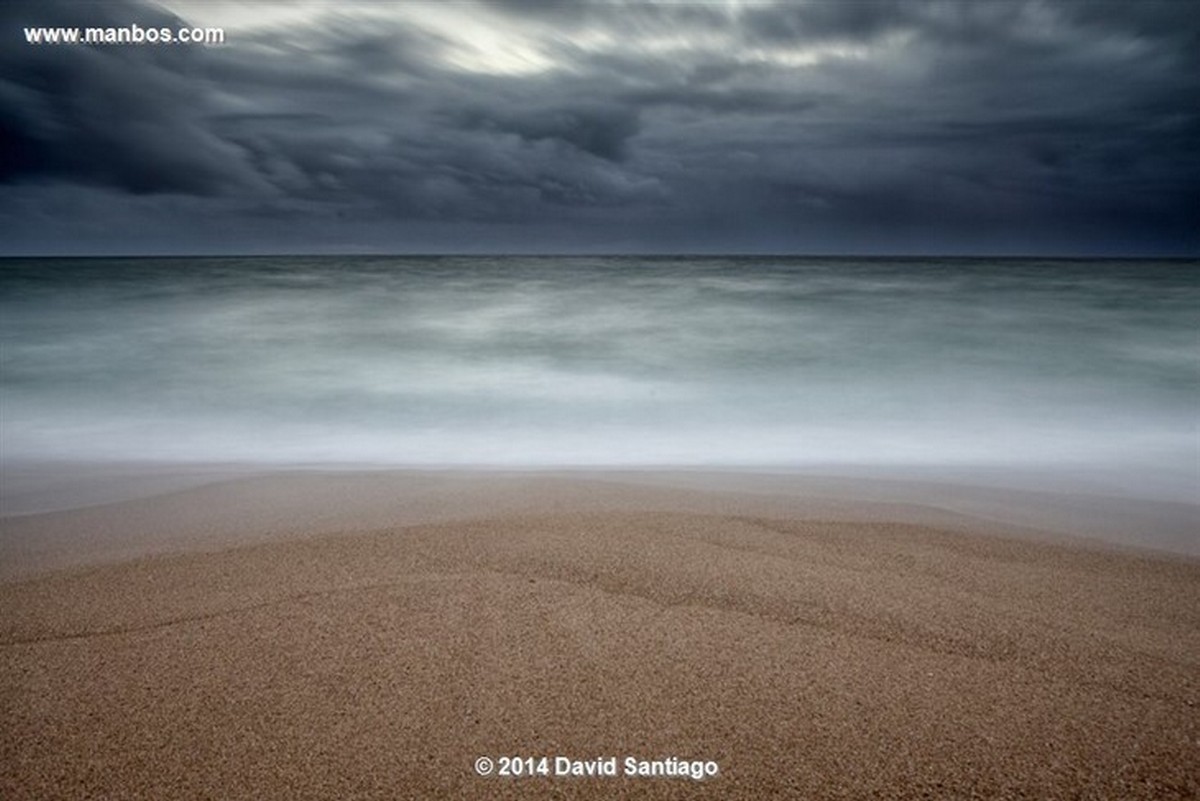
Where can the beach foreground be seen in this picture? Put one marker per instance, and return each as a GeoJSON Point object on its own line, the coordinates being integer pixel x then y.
{"type": "Point", "coordinates": [258, 638]}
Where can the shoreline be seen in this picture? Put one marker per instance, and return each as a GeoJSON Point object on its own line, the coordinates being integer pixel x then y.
{"type": "Point", "coordinates": [51, 508]}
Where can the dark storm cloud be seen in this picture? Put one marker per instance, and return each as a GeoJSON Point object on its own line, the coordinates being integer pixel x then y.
{"type": "Point", "coordinates": [858, 21]}
{"type": "Point", "coordinates": [119, 117]}
{"type": "Point", "coordinates": [602, 131]}
{"type": "Point", "coordinates": [530, 125]}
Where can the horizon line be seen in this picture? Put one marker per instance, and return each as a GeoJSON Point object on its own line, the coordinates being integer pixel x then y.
{"type": "Point", "coordinates": [612, 254]}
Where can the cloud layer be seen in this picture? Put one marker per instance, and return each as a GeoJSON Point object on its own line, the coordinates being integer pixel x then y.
{"type": "Point", "coordinates": [865, 127]}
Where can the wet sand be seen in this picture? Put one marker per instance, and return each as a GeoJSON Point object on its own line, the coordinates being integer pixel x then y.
{"type": "Point", "coordinates": [369, 635]}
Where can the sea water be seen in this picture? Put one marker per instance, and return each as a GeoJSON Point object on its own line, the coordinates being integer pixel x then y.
{"type": "Point", "coordinates": [1044, 365]}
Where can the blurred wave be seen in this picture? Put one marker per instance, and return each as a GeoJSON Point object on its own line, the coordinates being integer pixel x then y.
{"type": "Point", "coordinates": [596, 361]}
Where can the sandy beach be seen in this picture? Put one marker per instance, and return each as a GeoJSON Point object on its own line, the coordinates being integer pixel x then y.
{"type": "Point", "coordinates": [299, 634]}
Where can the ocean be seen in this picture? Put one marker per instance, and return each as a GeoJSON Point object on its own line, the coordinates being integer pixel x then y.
{"type": "Point", "coordinates": [1070, 367]}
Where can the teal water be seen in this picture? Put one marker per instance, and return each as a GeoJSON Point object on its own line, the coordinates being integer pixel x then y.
{"type": "Point", "coordinates": [520, 361]}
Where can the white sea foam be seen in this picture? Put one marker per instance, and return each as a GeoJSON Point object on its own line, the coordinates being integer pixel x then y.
{"type": "Point", "coordinates": [1039, 365]}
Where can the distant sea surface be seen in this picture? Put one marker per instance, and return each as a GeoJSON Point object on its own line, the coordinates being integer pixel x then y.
{"type": "Point", "coordinates": [1046, 365]}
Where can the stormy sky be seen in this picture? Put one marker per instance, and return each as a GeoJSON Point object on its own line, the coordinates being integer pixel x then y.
{"type": "Point", "coordinates": [868, 127]}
